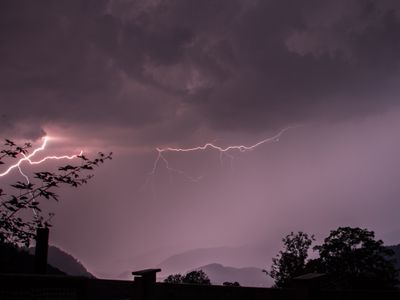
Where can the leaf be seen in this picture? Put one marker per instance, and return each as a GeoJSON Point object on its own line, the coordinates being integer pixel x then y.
{"type": "Point", "coordinates": [86, 167]}
{"type": "Point", "coordinates": [82, 157]}
{"type": "Point", "coordinates": [10, 143]}
{"type": "Point", "coordinates": [22, 186]}
{"type": "Point", "coordinates": [66, 168]}
{"type": "Point", "coordinates": [13, 200]}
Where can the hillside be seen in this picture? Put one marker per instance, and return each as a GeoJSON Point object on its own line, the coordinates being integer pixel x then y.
{"type": "Point", "coordinates": [65, 262]}
{"type": "Point", "coordinates": [18, 260]}
{"type": "Point", "coordinates": [238, 257]}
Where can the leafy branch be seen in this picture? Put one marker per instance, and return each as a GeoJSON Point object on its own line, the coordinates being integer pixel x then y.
{"type": "Point", "coordinates": [16, 225]}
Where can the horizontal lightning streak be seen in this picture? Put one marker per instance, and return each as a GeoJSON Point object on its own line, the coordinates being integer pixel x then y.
{"type": "Point", "coordinates": [223, 151]}
{"type": "Point", "coordinates": [241, 148]}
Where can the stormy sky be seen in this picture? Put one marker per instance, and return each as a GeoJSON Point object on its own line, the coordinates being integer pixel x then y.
{"type": "Point", "coordinates": [130, 76]}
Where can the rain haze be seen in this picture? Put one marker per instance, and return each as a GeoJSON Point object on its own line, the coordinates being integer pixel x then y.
{"type": "Point", "coordinates": [136, 76]}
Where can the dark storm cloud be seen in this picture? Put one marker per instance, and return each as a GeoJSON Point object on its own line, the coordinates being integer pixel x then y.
{"type": "Point", "coordinates": [224, 64]}
{"type": "Point", "coordinates": [298, 61]}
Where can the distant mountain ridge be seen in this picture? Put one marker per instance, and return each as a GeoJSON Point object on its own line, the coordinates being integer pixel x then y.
{"type": "Point", "coordinates": [238, 257]}
{"type": "Point", "coordinates": [250, 276]}
{"type": "Point", "coordinates": [18, 260]}
{"type": "Point", "coordinates": [65, 262]}
{"type": "Point", "coordinates": [182, 262]}
{"type": "Point", "coordinates": [223, 264]}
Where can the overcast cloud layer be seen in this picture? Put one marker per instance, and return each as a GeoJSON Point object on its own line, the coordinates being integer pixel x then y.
{"type": "Point", "coordinates": [164, 65]}
{"type": "Point", "coordinates": [130, 76]}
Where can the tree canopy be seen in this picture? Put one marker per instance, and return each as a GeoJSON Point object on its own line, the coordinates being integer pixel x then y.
{"type": "Point", "coordinates": [174, 278]}
{"type": "Point", "coordinates": [350, 257]}
{"type": "Point", "coordinates": [193, 277]}
{"type": "Point", "coordinates": [355, 259]}
{"type": "Point", "coordinates": [291, 262]}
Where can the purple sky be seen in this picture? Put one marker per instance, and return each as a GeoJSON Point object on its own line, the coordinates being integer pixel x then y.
{"type": "Point", "coordinates": [131, 76]}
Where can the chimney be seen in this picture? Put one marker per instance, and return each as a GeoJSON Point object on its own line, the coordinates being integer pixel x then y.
{"type": "Point", "coordinates": [42, 241]}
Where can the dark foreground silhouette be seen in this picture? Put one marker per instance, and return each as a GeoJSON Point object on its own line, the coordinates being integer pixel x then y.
{"type": "Point", "coordinates": [196, 285]}
{"type": "Point", "coordinates": [141, 288]}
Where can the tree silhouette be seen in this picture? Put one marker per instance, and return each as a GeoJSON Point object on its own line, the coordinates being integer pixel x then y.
{"type": "Point", "coordinates": [17, 226]}
{"type": "Point", "coordinates": [228, 283]}
{"type": "Point", "coordinates": [353, 258]}
{"type": "Point", "coordinates": [174, 278]}
{"type": "Point", "coordinates": [290, 262]}
{"type": "Point", "coordinates": [193, 277]}
{"type": "Point", "coordinates": [350, 257]}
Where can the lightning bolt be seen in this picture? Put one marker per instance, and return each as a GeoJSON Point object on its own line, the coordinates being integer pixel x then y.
{"type": "Point", "coordinates": [28, 159]}
{"type": "Point", "coordinates": [223, 151]}
{"type": "Point", "coordinates": [27, 181]}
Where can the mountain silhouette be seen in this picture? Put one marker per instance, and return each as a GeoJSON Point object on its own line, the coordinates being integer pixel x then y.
{"type": "Point", "coordinates": [18, 260]}
{"type": "Point", "coordinates": [258, 256]}
{"type": "Point", "coordinates": [65, 262]}
{"type": "Point", "coordinates": [250, 276]}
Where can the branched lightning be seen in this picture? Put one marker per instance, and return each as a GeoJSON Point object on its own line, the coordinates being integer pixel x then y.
{"type": "Point", "coordinates": [27, 181]}
{"type": "Point", "coordinates": [224, 151]}
{"type": "Point", "coordinates": [28, 159]}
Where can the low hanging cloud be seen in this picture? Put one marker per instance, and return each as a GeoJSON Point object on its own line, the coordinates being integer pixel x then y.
{"type": "Point", "coordinates": [165, 65]}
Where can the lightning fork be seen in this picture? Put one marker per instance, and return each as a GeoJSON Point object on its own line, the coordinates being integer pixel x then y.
{"type": "Point", "coordinates": [28, 158]}
{"type": "Point", "coordinates": [223, 151]}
